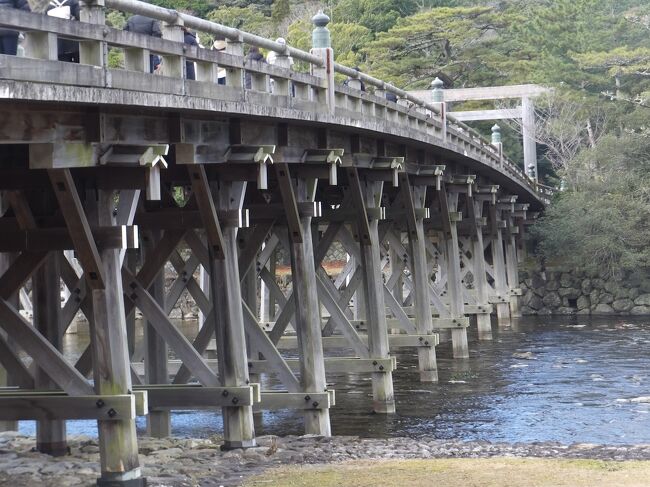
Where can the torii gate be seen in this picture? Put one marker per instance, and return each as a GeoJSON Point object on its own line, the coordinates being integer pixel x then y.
{"type": "Point", "coordinates": [525, 111]}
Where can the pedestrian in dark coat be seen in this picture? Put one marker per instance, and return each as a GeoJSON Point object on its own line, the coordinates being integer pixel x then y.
{"type": "Point", "coordinates": [148, 26]}
{"type": "Point", "coordinates": [9, 38]}
{"type": "Point", "coordinates": [190, 40]}
{"type": "Point", "coordinates": [254, 54]}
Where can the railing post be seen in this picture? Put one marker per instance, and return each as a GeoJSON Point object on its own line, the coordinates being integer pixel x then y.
{"type": "Point", "coordinates": [94, 53]}
{"type": "Point", "coordinates": [235, 76]}
{"type": "Point", "coordinates": [322, 47]}
{"type": "Point", "coordinates": [439, 100]}
{"type": "Point", "coordinates": [173, 66]}
{"type": "Point", "coordinates": [496, 141]}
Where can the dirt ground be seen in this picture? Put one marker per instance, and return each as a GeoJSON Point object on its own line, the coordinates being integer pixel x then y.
{"type": "Point", "coordinates": [493, 472]}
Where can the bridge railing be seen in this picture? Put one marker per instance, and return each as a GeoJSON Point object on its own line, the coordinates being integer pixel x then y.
{"type": "Point", "coordinates": [277, 84]}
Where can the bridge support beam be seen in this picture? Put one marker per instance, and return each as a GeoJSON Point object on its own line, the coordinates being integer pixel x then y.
{"type": "Point", "coordinates": [46, 285]}
{"type": "Point", "coordinates": [225, 289]}
{"type": "Point", "coordinates": [375, 306]}
{"type": "Point", "coordinates": [499, 266]}
{"type": "Point", "coordinates": [5, 380]}
{"type": "Point", "coordinates": [155, 357]}
{"type": "Point", "coordinates": [454, 284]}
{"type": "Point", "coordinates": [118, 446]}
{"type": "Point", "coordinates": [483, 320]}
{"type": "Point", "coordinates": [303, 274]}
{"type": "Point", "coordinates": [427, 363]}
{"type": "Point", "coordinates": [512, 271]}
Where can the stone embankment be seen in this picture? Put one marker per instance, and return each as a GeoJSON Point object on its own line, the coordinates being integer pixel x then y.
{"type": "Point", "coordinates": [178, 462]}
{"type": "Point", "coordinates": [555, 291]}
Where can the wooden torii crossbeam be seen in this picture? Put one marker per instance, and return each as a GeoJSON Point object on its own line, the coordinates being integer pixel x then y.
{"type": "Point", "coordinates": [525, 111]}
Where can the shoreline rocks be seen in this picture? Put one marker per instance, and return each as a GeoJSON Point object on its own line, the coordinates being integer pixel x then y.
{"type": "Point", "coordinates": [567, 292]}
{"type": "Point", "coordinates": [177, 462]}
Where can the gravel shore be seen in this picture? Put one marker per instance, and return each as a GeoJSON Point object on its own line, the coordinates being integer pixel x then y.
{"type": "Point", "coordinates": [176, 462]}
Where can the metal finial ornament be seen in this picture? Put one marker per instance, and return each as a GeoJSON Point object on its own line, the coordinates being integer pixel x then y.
{"type": "Point", "coordinates": [436, 86]}
{"type": "Point", "coordinates": [320, 37]}
{"type": "Point", "coordinates": [496, 134]}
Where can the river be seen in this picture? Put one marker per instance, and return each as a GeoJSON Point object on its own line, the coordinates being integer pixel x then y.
{"type": "Point", "coordinates": [559, 379]}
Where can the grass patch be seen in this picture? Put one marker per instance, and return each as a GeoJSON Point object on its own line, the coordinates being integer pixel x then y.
{"type": "Point", "coordinates": [493, 472]}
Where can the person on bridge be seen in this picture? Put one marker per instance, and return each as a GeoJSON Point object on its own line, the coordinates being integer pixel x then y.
{"type": "Point", "coordinates": [362, 85]}
{"type": "Point", "coordinates": [220, 46]}
{"type": "Point", "coordinates": [148, 26]}
{"type": "Point", "coordinates": [254, 54]}
{"type": "Point", "coordinates": [65, 9]}
{"type": "Point", "coordinates": [190, 40]}
{"type": "Point", "coordinates": [9, 38]}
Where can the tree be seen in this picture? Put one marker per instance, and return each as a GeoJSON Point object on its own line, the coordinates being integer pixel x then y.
{"type": "Point", "coordinates": [280, 11]}
{"type": "Point", "coordinates": [249, 19]}
{"type": "Point", "coordinates": [604, 223]}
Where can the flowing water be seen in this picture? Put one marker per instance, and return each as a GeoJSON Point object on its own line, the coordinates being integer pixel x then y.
{"type": "Point", "coordinates": [543, 379]}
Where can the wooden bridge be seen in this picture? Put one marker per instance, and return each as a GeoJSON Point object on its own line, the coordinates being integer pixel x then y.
{"type": "Point", "coordinates": [145, 175]}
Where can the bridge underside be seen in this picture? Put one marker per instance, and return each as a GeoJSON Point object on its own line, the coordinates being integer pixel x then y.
{"type": "Point", "coordinates": [142, 196]}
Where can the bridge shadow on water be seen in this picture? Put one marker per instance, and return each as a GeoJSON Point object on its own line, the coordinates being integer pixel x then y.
{"type": "Point", "coordinates": [543, 379]}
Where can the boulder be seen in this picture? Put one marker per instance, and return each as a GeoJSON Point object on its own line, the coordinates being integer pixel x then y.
{"type": "Point", "coordinates": [536, 302]}
{"type": "Point", "coordinates": [606, 298]}
{"type": "Point", "coordinates": [569, 292]}
{"type": "Point", "coordinates": [624, 304]}
{"type": "Point", "coordinates": [566, 279]}
{"type": "Point", "coordinates": [586, 286]}
{"type": "Point", "coordinates": [594, 296]}
{"type": "Point", "coordinates": [545, 311]}
{"type": "Point", "coordinates": [603, 309]}
{"type": "Point", "coordinates": [552, 285]}
{"type": "Point", "coordinates": [584, 302]}
{"type": "Point", "coordinates": [642, 300]}
{"type": "Point", "coordinates": [640, 310]}
{"type": "Point", "coordinates": [633, 293]}
{"type": "Point", "coordinates": [552, 300]}
{"type": "Point", "coordinates": [598, 283]}
{"type": "Point", "coordinates": [537, 281]}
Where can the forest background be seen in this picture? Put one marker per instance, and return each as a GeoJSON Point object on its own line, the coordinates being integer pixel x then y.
{"type": "Point", "coordinates": [593, 132]}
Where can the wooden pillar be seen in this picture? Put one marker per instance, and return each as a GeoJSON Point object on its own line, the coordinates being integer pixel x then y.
{"type": "Point", "coordinates": [131, 263]}
{"type": "Point", "coordinates": [454, 281]}
{"type": "Point", "coordinates": [512, 272]}
{"type": "Point", "coordinates": [483, 320]}
{"type": "Point", "coordinates": [308, 319]}
{"type": "Point", "coordinates": [46, 285]}
{"type": "Point", "coordinates": [375, 306]}
{"type": "Point", "coordinates": [118, 445]}
{"type": "Point", "coordinates": [225, 289]}
{"type": "Point", "coordinates": [5, 380]}
{"type": "Point", "coordinates": [427, 364]}
{"type": "Point", "coordinates": [156, 354]}
{"type": "Point", "coordinates": [249, 295]}
{"type": "Point", "coordinates": [499, 267]}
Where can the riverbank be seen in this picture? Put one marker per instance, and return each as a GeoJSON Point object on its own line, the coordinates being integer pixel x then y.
{"type": "Point", "coordinates": [494, 472]}
{"type": "Point", "coordinates": [178, 462]}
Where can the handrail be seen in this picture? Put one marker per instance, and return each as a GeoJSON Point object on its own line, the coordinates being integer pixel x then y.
{"type": "Point", "coordinates": [174, 17]}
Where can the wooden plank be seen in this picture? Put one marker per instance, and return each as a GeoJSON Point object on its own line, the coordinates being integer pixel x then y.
{"type": "Point", "coordinates": [77, 223]}
{"type": "Point", "coordinates": [262, 343]}
{"type": "Point", "coordinates": [498, 114]}
{"type": "Point", "coordinates": [19, 272]}
{"type": "Point", "coordinates": [344, 325]}
{"type": "Point", "coordinates": [42, 351]}
{"type": "Point", "coordinates": [172, 335]}
{"type": "Point", "coordinates": [43, 407]}
{"type": "Point", "coordinates": [16, 368]}
{"type": "Point", "coordinates": [339, 341]}
{"type": "Point", "coordinates": [192, 397]}
{"type": "Point", "coordinates": [201, 189]}
{"type": "Point", "coordinates": [289, 201]}
{"type": "Point", "coordinates": [273, 401]}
